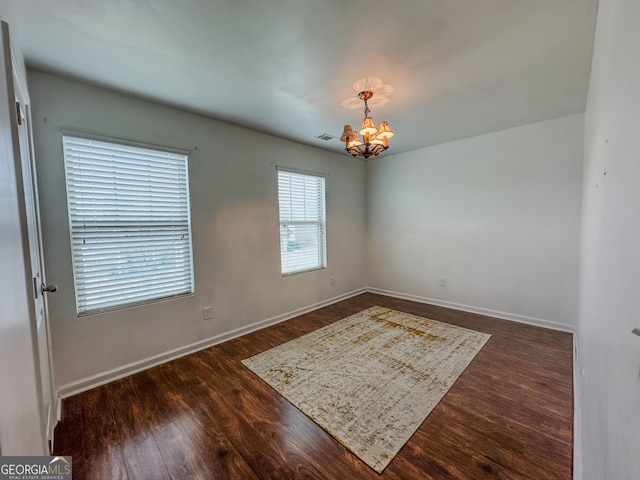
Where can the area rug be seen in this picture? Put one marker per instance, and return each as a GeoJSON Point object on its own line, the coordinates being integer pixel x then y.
{"type": "Point", "coordinates": [372, 378]}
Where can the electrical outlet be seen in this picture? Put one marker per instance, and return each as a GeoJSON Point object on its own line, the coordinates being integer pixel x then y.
{"type": "Point", "coordinates": [441, 282]}
{"type": "Point", "coordinates": [332, 281]}
{"type": "Point", "coordinates": [206, 313]}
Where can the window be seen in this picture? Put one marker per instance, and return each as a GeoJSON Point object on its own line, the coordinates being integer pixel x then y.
{"type": "Point", "coordinates": [130, 223]}
{"type": "Point", "coordinates": [301, 198]}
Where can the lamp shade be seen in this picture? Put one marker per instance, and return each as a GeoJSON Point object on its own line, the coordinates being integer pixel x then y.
{"type": "Point", "coordinates": [385, 131]}
{"type": "Point", "coordinates": [346, 133]}
{"type": "Point", "coordinates": [353, 140]}
{"type": "Point", "coordinates": [368, 127]}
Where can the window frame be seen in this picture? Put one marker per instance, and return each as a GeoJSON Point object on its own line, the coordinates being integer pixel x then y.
{"type": "Point", "coordinates": [322, 254]}
{"type": "Point", "coordinates": [124, 142]}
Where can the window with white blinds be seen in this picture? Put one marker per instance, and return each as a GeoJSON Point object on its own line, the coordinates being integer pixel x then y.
{"type": "Point", "coordinates": [130, 223]}
{"type": "Point", "coordinates": [301, 200]}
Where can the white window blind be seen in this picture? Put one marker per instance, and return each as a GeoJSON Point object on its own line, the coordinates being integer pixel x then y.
{"type": "Point", "coordinates": [301, 199]}
{"type": "Point", "coordinates": [129, 216]}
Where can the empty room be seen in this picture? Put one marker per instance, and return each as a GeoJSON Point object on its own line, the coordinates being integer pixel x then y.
{"type": "Point", "coordinates": [320, 239]}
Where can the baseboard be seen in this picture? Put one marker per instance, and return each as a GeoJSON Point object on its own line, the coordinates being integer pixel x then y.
{"type": "Point", "coordinates": [93, 381]}
{"type": "Point", "coordinates": [538, 322]}
{"type": "Point", "coordinates": [50, 427]}
{"type": "Point", "coordinates": [577, 413]}
{"type": "Point", "coordinates": [56, 420]}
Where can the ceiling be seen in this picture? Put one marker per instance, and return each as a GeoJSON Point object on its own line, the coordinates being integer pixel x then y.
{"type": "Point", "coordinates": [450, 69]}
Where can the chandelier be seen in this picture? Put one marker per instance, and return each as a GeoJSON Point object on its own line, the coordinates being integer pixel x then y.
{"type": "Point", "coordinates": [374, 140]}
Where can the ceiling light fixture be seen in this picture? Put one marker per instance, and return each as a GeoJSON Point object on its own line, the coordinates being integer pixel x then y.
{"type": "Point", "coordinates": [374, 140]}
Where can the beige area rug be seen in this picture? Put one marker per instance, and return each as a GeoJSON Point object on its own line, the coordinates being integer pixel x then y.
{"type": "Point", "coordinates": [372, 378]}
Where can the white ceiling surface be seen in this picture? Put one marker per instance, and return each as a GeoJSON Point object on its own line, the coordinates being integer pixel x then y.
{"type": "Point", "coordinates": [458, 68]}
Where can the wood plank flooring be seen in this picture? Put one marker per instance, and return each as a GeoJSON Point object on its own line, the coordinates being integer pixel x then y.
{"type": "Point", "coordinates": [205, 416]}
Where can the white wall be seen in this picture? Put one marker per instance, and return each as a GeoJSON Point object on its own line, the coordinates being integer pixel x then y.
{"type": "Point", "coordinates": [609, 354]}
{"type": "Point", "coordinates": [497, 215]}
{"type": "Point", "coordinates": [234, 221]}
{"type": "Point", "coordinates": [20, 432]}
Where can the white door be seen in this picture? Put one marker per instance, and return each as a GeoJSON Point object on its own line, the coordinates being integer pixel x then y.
{"type": "Point", "coordinates": [40, 331]}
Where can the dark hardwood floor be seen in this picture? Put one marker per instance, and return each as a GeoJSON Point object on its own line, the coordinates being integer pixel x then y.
{"type": "Point", "coordinates": [205, 416]}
